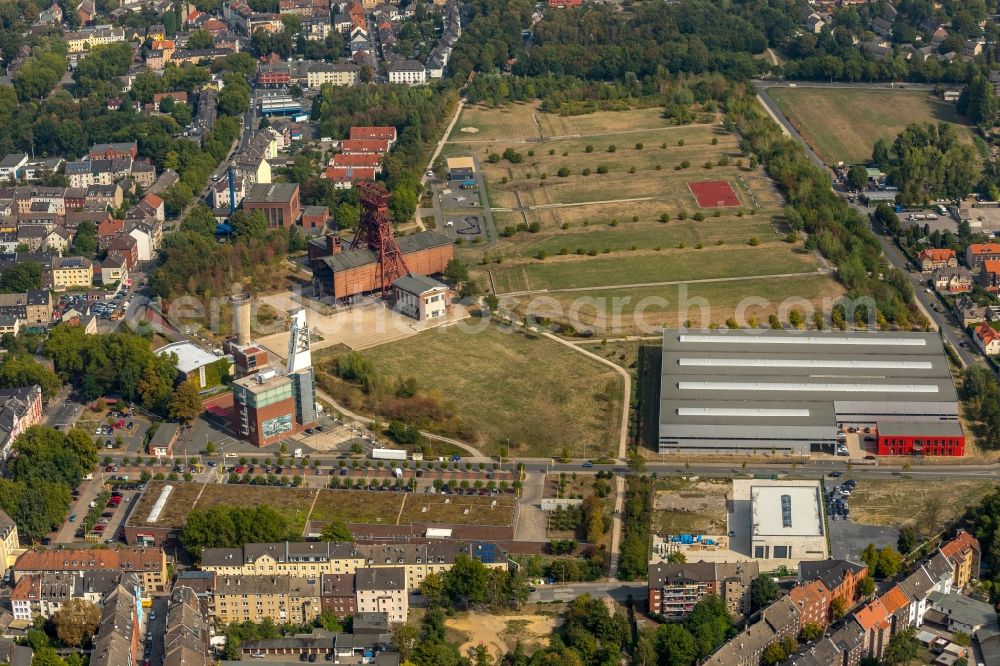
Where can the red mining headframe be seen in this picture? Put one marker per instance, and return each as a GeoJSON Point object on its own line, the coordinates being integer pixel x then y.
{"type": "Point", "coordinates": [375, 233]}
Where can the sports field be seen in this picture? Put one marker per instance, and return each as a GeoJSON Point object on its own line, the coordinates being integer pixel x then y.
{"type": "Point", "coordinates": [842, 125]}
{"type": "Point", "coordinates": [541, 395]}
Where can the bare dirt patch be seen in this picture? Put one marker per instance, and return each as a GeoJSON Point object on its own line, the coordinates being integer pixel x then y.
{"type": "Point", "coordinates": [691, 507]}
{"type": "Point", "coordinates": [500, 633]}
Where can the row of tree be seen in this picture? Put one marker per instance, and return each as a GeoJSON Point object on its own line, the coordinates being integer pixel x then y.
{"type": "Point", "coordinates": [46, 465]}
{"type": "Point", "coordinates": [225, 526]}
{"type": "Point", "coordinates": [637, 514]}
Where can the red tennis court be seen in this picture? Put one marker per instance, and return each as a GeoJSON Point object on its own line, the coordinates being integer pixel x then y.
{"type": "Point", "coordinates": [714, 193]}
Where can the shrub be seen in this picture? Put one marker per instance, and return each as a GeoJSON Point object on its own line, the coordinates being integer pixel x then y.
{"type": "Point", "coordinates": [586, 171]}
{"type": "Point", "coordinates": [664, 217]}
{"type": "Point", "coordinates": [602, 169]}
{"type": "Point", "coordinates": [754, 241]}
{"type": "Point", "coordinates": [493, 158]}
{"type": "Point", "coordinates": [588, 149]}
{"type": "Point", "coordinates": [658, 167]}
{"type": "Point", "coordinates": [631, 169]}
{"type": "Point", "coordinates": [552, 151]}
{"type": "Point", "coordinates": [591, 253]}
{"type": "Point", "coordinates": [685, 164]}
{"type": "Point", "coordinates": [613, 223]}
{"type": "Point", "coordinates": [638, 146]}
{"type": "Point", "coordinates": [612, 148]}
{"type": "Point", "coordinates": [534, 227]}
{"type": "Point", "coordinates": [541, 254]}
{"type": "Point", "coordinates": [715, 141]}
{"type": "Point", "coordinates": [680, 142]}
{"type": "Point", "coordinates": [708, 164]}
{"type": "Point", "coordinates": [699, 216]}
{"type": "Point", "coordinates": [563, 172]}
{"type": "Point", "coordinates": [635, 218]}
{"type": "Point", "coordinates": [682, 215]}
{"type": "Point", "coordinates": [504, 180]}
{"type": "Point", "coordinates": [663, 145]}
{"type": "Point", "coordinates": [531, 153]}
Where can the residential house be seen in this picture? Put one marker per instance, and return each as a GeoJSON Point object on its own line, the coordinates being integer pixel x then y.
{"type": "Point", "coordinates": [220, 192]}
{"type": "Point", "coordinates": [897, 606]}
{"type": "Point", "coordinates": [114, 270]}
{"type": "Point", "coordinates": [186, 639]}
{"type": "Point", "coordinates": [841, 577]}
{"type": "Point", "coordinates": [989, 275]}
{"type": "Point", "coordinates": [674, 589]}
{"type": "Point", "coordinates": [813, 602]}
{"type": "Point", "coordinates": [953, 281]}
{"type": "Point", "coordinates": [20, 408]}
{"type": "Point", "coordinates": [87, 38]}
{"type": "Point", "coordinates": [105, 195]}
{"type": "Point", "coordinates": [148, 236]}
{"type": "Point", "coordinates": [111, 151]}
{"type": "Point", "coordinates": [43, 594]}
{"type": "Point", "coordinates": [965, 553]}
{"type": "Point", "coordinates": [117, 639]}
{"type": "Point", "coordinates": [815, 23]}
{"type": "Point", "coordinates": [71, 272]}
{"type": "Point", "coordinates": [874, 620]}
{"type": "Point", "coordinates": [382, 590]}
{"type": "Point", "coordinates": [126, 247]}
{"type": "Point", "coordinates": [11, 166]}
{"type": "Point", "coordinates": [253, 598]}
{"type": "Point", "coordinates": [409, 72]}
{"type": "Point", "coordinates": [977, 253]}
{"type": "Point", "coordinates": [150, 564]}
{"type": "Point", "coordinates": [10, 545]}
{"type": "Point", "coordinates": [846, 646]}
{"type": "Point", "coordinates": [338, 74]}
{"type": "Point", "coordinates": [108, 230]}
{"type": "Point", "coordinates": [987, 339]}
{"type": "Point", "coordinates": [777, 621]}
{"type": "Point", "coordinates": [338, 594]}
{"type": "Point", "coordinates": [57, 240]}
{"type": "Point", "coordinates": [967, 311]}
{"type": "Point", "coordinates": [934, 258]}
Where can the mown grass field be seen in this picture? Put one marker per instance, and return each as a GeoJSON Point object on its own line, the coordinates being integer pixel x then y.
{"type": "Point", "coordinates": [646, 310]}
{"type": "Point", "coordinates": [540, 394]}
{"type": "Point", "coordinates": [646, 234]}
{"type": "Point", "coordinates": [842, 125]}
{"type": "Point", "coordinates": [643, 267]}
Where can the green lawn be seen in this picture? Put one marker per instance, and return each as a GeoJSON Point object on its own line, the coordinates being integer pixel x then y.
{"type": "Point", "coordinates": [540, 394]}
{"type": "Point", "coordinates": [842, 125]}
{"type": "Point", "coordinates": [666, 266]}
{"type": "Point", "coordinates": [628, 235]}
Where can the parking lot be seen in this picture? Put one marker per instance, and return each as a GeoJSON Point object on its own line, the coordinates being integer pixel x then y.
{"type": "Point", "coordinates": [848, 538]}
{"type": "Point", "coordinates": [120, 432]}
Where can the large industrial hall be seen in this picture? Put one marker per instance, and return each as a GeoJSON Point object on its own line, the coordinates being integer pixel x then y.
{"type": "Point", "coordinates": [790, 392]}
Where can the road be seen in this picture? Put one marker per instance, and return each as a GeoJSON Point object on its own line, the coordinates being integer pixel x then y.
{"type": "Point", "coordinates": [62, 411]}
{"type": "Point", "coordinates": [619, 591]}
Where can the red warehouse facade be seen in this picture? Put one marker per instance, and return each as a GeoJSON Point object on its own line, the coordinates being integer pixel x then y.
{"type": "Point", "coordinates": [935, 438]}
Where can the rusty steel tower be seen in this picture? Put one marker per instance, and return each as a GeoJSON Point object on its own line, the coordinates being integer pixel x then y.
{"type": "Point", "coordinates": [375, 233]}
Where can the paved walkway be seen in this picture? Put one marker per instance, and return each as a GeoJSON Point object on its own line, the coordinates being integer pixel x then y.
{"type": "Point", "coordinates": [471, 450]}
{"type": "Point", "coordinates": [616, 526]}
{"type": "Point", "coordinates": [531, 520]}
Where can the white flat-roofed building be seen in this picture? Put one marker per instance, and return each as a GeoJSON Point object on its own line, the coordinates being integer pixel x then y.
{"type": "Point", "coordinates": [778, 520]}
{"type": "Point", "coordinates": [790, 391]}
